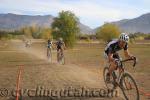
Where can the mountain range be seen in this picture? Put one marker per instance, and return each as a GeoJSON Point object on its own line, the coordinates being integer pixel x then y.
{"type": "Point", "coordinates": [14, 21]}
{"type": "Point", "coordinates": [139, 24]}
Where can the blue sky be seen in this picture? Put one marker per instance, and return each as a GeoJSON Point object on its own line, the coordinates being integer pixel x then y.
{"type": "Point", "coordinates": [90, 12]}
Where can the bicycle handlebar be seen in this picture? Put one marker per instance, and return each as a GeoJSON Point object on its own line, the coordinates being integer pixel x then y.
{"type": "Point", "coordinates": [134, 59]}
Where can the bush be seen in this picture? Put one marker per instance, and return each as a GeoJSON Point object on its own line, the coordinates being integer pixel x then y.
{"type": "Point", "coordinates": [46, 33]}
{"type": "Point", "coordinates": [107, 32]}
{"type": "Point", "coordinates": [147, 37]}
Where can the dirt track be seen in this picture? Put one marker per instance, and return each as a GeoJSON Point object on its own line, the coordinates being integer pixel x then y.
{"type": "Point", "coordinates": [37, 71]}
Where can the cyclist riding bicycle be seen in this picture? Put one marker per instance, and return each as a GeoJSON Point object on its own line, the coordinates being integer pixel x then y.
{"type": "Point", "coordinates": [49, 43]}
{"type": "Point", "coordinates": [49, 46]}
{"type": "Point", "coordinates": [111, 53]}
{"type": "Point", "coordinates": [28, 43]}
{"type": "Point", "coordinates": [60, 48]}
{"type": "Point", "coordinates": [60, 45]}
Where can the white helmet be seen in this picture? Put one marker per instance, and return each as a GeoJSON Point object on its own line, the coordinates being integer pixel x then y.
{"type": "Point", "coordinates": [124, 37]}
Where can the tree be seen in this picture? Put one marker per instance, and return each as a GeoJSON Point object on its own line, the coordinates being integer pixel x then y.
{"type": "Point", "coordinates": [27, 32]}
{"type": "Point", "coordinates": [66, 26]}
{"type": "Point", "coordinates": [35, 31]}
{"type": "Point", "coordinates": [46, 33]}
{"type": "Point", "coordinates": [107, 32]}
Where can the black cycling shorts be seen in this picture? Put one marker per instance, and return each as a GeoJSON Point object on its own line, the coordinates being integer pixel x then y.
{"type": "Point", "coordinates": [116, 56]}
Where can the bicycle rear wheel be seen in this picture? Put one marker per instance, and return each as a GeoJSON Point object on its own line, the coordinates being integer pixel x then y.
{"type": "Point", "coordinates": [61, 58]}
{"type": "Point", "coordinates": [62, 61]}
{"type": "Point", "coordinates": [129, 87]}
{"type": "Point", "coordinates": [49, 55]}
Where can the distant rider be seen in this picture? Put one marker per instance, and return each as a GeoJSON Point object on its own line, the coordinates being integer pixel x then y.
{"type": "Point", "coordinates": [60, 46]}
{"type": "Point", "coordinates": [49, 46]}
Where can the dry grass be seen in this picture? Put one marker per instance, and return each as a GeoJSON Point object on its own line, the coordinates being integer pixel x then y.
{"type": "Point", "coordinates": [84, 65]}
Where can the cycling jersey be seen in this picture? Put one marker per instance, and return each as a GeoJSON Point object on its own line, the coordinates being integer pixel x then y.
{"type": "Point", "coordinates": [59, 44]}
{"type": "Point", "coordinates": [113, 47]}
{"type": "Point", "coordinates": [49, 44]}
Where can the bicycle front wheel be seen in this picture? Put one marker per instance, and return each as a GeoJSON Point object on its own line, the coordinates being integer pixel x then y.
{"type": "Point", "coordinates": [129, 87]}
{"type": "Point", "coordinates": [49, 55]}
{"type": "Point", "coordinates": [62, 59]}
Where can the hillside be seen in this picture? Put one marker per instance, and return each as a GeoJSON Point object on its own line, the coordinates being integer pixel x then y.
{"type": "Point", "coordinates": [13, 21]}
{"type": "Point", "coordinates": [139, 24]}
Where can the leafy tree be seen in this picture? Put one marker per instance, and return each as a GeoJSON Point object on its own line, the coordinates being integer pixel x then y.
{"type": "Point", "coordinates": [66, 26]}
{"type": "Point", "coordinates": [27, 32]}
{"type": "Point", "coordinates": [46, 33]}
{"type": "Point", "coordinates": [107, 32]}
{"type": "Point", "coordinates": [35, 31]}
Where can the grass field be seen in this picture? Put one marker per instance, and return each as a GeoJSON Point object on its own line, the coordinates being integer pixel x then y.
{"type": "Point", "coordinates": [84, 65]}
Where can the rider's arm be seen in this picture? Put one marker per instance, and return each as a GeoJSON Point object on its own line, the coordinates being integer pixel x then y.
{"type": "Point", "coordinates": [127, 54]}
{"type": "Point", "coordinates": [110, 57]}
{"type": "Point", "coordinates": [64, 46]}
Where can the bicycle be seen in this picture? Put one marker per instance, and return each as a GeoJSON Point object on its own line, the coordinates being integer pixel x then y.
{"type": "Point", "coordinates": [60, 57]}
{"type": "Point", "coordinates": [123, 80]}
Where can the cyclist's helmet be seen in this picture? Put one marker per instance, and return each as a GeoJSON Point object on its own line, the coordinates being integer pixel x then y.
{"type": "Point", "coordinates": [124, 37]}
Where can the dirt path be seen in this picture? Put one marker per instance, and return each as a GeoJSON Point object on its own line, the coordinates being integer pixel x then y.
{"type": "Point", "coordinates": [43, 74]}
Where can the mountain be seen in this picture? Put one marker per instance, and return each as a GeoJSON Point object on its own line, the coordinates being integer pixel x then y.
{"type": "Point", "coordinates": [13, 21]}
{"type": "Point", "coordinates": [85, 29]}
{"type": "Point", "coordinates": [139, 24]}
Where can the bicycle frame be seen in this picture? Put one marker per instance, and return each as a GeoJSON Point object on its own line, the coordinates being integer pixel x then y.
{"type": "Point", "coordinates": [60, 55]}
{"type": "Point", "coordinates": [123, 69]}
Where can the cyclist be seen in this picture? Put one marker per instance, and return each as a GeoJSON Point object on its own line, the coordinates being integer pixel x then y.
{"type": "Point", "coordinates": [112, 55]}
{"type": "Point", "coordinates": [49, 46]}
{"type": "Point", "coordinates": [49, 43]}
{"type": "Point", "coordinates": [28, 43]}
{"type": "Point", "coordinates": [60, 46]}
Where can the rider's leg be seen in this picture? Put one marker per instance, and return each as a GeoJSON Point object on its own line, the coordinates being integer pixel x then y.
{"type": "Point", "coordinates": [58, 51]}
{"type": "Point", "coordinates": [111, 69]}
{"type": "Point", "coordinates": [113, 65]}
{"type": "Point", "coordinates": [116, 56]}
{"type": "Point", "coordinates": [61, 50]}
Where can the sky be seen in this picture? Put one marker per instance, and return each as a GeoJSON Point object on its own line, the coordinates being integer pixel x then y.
{"type": "Point", "coordinates": [92, 13]}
